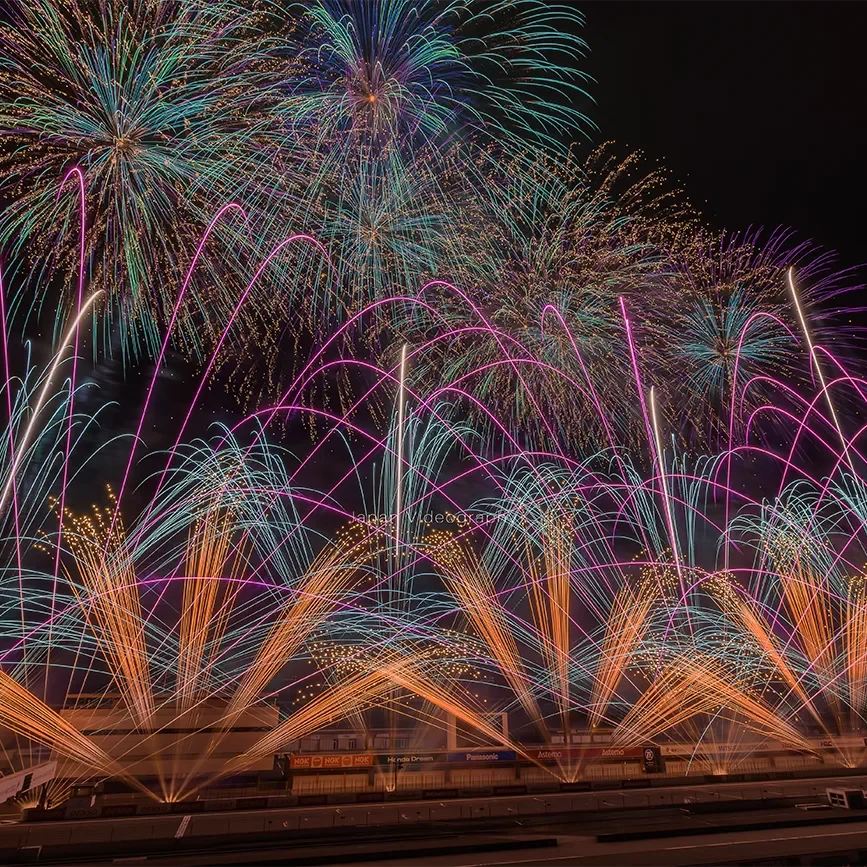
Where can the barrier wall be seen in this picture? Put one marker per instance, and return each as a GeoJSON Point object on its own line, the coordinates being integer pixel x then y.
{"type": "Point", "coordinates": [191, 821]}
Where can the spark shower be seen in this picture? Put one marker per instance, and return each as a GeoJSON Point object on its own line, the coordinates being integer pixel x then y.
{"type": "Point", "coordinates": [644, 436]}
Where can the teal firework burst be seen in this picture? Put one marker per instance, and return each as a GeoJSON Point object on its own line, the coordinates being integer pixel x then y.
{"type": "Point", "coordinates": [393, 73]}
{"type": "Point", "coordinates": [155, 102]}
{"type": "Point", "coordinates": [731, 335]}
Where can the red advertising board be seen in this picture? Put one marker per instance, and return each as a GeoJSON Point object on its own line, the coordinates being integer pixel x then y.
{"type": "Point", "coordinates": [331, 761]}
{"type": "Point", "coordinates": [564, 754]}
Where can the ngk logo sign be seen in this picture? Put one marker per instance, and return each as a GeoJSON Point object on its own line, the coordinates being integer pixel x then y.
{"type": "Point", "coordinates": [331, 762]}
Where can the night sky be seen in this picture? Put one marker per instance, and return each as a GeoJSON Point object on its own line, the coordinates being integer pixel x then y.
{"type": "Point", "coordinates": [757, 108]}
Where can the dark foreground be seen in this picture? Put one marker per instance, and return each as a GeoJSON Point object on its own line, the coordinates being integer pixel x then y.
{"type": "Point", "coordinates": [767, 823]}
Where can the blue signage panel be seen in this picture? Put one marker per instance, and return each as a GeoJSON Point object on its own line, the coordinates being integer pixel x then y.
{"type": "Point", "coordinates": [484, 756]}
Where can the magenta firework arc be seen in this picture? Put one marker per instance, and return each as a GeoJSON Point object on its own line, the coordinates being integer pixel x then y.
{"type": "Point", "coordinates": [615, 587]}
{"type": "Point", "coordinates": [575, 457]}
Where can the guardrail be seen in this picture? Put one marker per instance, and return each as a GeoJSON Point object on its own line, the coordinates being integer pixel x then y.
{"type": "Point", "coordinates": [188, 827]}
{"type": "Point", "coordinates": [268, 802]}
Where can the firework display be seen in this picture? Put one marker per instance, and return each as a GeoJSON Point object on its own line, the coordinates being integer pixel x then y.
{"type": "Point", "coordinates": [579, 462]}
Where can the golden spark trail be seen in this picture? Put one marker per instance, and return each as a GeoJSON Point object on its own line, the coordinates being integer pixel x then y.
{"type": "Point", "coordinates": [691, 685]}
{"type": "Point", "coordinates": [625, 629]}
{"type": "Point", "coordinates": [207, 600]}
{"type": "Point", "coordinates": [111, 604]}
{"type": "Point", "coordinates": [856, 648]}
{"type": "Point", "coordinates": [438, 694]}
{"type": "Point", "coordinates": [349, 697]}
{"type": "Point", "coordinates": [316, 594]}
{"type": "Point", "coordinates": [550, 598]}
{"type": "Point", "coordinates": [752, 621]}
{"type": "Point", "coordinates": [670, 700]}
{"type": "Point", "coordinates": [209, 596]}
{"type": "Point", "coordinates": [328, 575]}
{"type": "Point", "coordinates": [470, 581]}
{"type": "Point", "coordinates": [352, 695]}
{"type": "Point", "coordinates": [808, 605]}
{"type": "Point", "coordinates": [26, 715]}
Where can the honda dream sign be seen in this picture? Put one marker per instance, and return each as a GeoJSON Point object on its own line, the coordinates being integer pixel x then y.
{"type": "Point", "coordinates": [403, 760]}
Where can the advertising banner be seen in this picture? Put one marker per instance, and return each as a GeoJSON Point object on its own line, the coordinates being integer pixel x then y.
{"type": "Point", "coordinates": [566, 754]}
{"type": "Point", "coordinates": [484, 756]}
{"type": "Point", "coordinates": [411, 759]}
{"type": "Point", "coordinates": [331, 762]}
